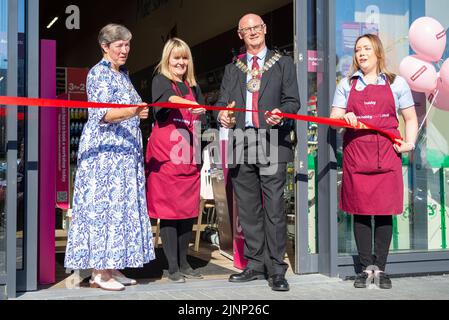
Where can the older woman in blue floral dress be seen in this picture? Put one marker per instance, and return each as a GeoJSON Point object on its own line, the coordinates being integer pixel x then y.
{"type": "Point", "coordinates": [110, 229]}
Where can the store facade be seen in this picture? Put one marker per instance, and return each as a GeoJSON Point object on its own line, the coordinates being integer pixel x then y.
{"type": "Point", "coordinates": [18, 146]}
{"type": "Point", "coordinates": [322, 34]}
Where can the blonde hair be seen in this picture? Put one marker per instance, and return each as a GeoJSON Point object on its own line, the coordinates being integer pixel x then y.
{"type": "Point", "coordinates": [380, 54]}
{"type": "Point", "coordinates": [176, 44]}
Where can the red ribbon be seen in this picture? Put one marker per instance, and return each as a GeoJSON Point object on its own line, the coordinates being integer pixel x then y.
{"type": "Point", "coordinates": [52, 103]}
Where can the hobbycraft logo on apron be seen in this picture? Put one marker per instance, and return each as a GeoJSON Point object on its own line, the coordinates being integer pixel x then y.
{"type": "Point", "coordinates": [187, 122]}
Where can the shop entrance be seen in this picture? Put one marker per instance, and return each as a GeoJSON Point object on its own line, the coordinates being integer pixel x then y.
{"type": "Point", "coordinates": [72, 27]}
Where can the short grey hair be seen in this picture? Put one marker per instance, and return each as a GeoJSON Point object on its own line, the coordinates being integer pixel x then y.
{"type": "Point", "coordinates": [112, 33]}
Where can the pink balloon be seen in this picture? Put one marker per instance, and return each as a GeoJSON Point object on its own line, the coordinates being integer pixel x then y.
{"type": "Point", "coordinates": [442, 98]}
{"type": "Point", "coordinates": [444, 74]}
{"type": "Point", "coordinates": [427, 38]}
{"type": "Point", "coordinates": [421, 76]}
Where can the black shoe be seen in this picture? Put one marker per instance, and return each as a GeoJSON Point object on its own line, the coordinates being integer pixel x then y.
{"type": "Point", "coordinates": [383, 281]}
{"type": "Point", "coordinates": [362, 280]}
{"type": "Point", "coordinates": [176, 277]}
{"type": "Point", "coordinates": [278, 283]}
{"type": "Point", "coordinates": [247, 275]}
{"type": "Point", "coordinates": [190, 273]}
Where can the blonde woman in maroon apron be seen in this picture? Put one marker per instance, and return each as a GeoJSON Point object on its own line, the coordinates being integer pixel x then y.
{"type": "Point", "coordinates": [172, 171]}
{"type": "Point", "coordinates": [372, 184]}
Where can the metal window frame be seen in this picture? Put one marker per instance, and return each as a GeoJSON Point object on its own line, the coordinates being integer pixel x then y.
{"type": "Point", "coordinates": [327, 162]}
{"type": "Point", "coordinates": [325, 260]}
{"type": "Point", "coordinates": [3, 274]}
{"type": "Point", "coordinates": [12, 147]}
{"type": "Point", "coordinates": [403, 263]}
{"type": "Point", "coordinates": [27, 278]}
{"type": "Point", "coordinates": [304, 261]}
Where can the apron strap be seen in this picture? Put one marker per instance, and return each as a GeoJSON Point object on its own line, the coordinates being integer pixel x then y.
{"type": "Point", "coordinates": [178, 91]}
{"type": "Point", "coordinates": [176, 88]}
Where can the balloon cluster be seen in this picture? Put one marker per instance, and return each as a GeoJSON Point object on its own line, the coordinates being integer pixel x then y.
{"type": "Point", "coordinates": [428, 39]}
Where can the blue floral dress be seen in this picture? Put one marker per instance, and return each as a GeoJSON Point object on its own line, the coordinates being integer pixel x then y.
{"type": "Point", "coordinates": [110, 228]}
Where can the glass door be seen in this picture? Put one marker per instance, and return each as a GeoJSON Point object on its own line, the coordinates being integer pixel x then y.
{"type": "Point", "coordinates": [307, 59]}
{"type": "Point", "coordinates": [18, 226]}
{"type": "Point", "coordinates": [27, 144]}
{"type": "Point", "coordinates": [421, 231]}
{"type": "Point", "coordinates": [9, 136]}
{"type": "Point", "coordinates": [3, 166]}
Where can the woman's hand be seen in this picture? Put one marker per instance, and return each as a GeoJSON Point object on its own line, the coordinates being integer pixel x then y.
{"type": "Point", "coordinates": [401, 146]}
{"type": "Point", "coordinates": [197, 111]}
{"type": "Point", "coordinates": [116, 115]}
{"type": "Point", "coordinates": [194, 111]}
{"type": "Point", "coordinates": [350, 118]}
{"type": "Point", "coordinates": [142, 111]}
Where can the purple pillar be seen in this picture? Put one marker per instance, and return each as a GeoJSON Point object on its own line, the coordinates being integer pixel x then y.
{"type": "Point", "coordinates": [47, 165]}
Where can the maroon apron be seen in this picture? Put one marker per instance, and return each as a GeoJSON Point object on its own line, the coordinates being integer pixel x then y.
{"type": "Point", "coordinates": [173, 189]}
{"type": "Point", "coordinates": [372, 169]}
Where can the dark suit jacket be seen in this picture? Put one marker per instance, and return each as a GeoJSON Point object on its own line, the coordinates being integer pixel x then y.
{"type": "Point", "coordinates": [279, 89]}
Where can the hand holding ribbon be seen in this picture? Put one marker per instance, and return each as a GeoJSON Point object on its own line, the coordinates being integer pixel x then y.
{"type": "Point", "coordinates": [143, 111]}
{"type": "Point", "coordinates": [227, 117]}
{"type": "Point", "coordinates": [19, 101]}
{"type": "Point", "coordinates": [401, 146]}
{"type": "Point", "coordinates": [272, 117]}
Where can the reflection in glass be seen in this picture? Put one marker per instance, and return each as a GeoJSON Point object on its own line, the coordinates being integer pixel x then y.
{"type": "Point", "coordinates": [21, 120]}
{"type": "Point", "coordinates": [290, 193]}
{"type": "Point", "coordinates": [314, 77]}
{"type": "Point", "coordinates": [3, 69]}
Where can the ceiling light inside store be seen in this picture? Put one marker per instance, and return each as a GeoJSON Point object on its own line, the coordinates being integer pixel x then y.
{"type": "Point", "coordinates": [1, 79]}
{"type": "Point", "coordinates": [52, 22]}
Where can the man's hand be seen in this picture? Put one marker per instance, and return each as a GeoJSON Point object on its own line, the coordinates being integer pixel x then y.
{"type": "Point", "coordinates": [227, 118]}
{"type": "Point", "coordinates": [271, 118]}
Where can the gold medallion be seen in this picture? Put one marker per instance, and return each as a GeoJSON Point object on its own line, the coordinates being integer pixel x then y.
{"type": "Point", "coordinates": [253, 85]}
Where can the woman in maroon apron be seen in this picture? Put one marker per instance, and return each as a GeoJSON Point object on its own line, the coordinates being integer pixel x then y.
{"type": "Point", "coordinates": [372, 183]}
{"type": "Point", "coordinates": [171, 163]}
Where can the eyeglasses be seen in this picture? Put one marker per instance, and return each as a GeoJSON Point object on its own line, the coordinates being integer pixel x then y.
{"type": "Point", "coordinates": [257, 28]}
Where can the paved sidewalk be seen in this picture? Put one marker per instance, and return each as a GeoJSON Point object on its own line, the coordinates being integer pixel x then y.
{"type": "Point", "coordinates": [304, 287]}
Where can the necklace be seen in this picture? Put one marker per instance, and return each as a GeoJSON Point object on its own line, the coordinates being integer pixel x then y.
{"type": "Point", "coordinates": [254, 84]}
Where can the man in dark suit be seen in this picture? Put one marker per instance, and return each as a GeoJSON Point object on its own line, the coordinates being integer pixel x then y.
{"type": "Point", "coordinates": [263, 81]}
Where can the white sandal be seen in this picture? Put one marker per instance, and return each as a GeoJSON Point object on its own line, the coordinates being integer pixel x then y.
{"type": "Point", "coordinates": [109, 285]}
{"type": "Point", "coordinates": [124, 280]}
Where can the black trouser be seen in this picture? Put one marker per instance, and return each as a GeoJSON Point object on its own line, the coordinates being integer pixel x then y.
{"type": "Point", "coordinates": [383, 231]}
{"type": "Point", "coordinates": [264, 221]}
{"type": "Point", "coordinates": [176, 235]}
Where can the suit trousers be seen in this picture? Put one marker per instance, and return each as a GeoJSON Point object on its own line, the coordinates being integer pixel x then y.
{"type": "Point", "coordinates": [259, 192]}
